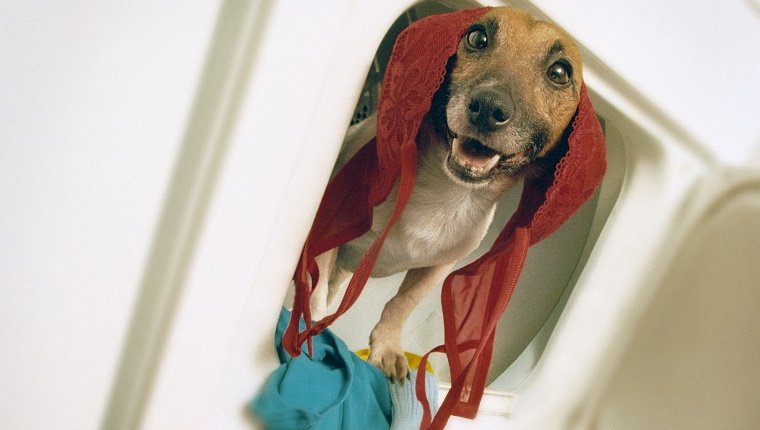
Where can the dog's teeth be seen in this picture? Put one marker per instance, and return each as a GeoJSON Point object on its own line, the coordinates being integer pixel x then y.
{"type": "Point", "coordinates": [473, 160]}
{"type": "Point", "coordinates": [516, 157]}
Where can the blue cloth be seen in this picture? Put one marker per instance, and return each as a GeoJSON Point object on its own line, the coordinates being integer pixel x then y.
{"type": "Point", "coordinates": [333, 390]}
{"type": "Point", "coordinates": [407, 410]}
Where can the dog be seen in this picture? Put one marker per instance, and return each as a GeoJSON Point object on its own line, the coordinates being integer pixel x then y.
{"type": "Point", "coordinates": [511, 89]}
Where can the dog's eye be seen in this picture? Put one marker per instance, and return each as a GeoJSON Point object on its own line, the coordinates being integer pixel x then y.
{"type": "Point", "coordinates": [477, 38]}
{"type": "Point", "coordinates": [559, 73]}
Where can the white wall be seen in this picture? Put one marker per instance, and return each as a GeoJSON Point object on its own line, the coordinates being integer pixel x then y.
{"type": "Point", "coordinates": [94, 97]}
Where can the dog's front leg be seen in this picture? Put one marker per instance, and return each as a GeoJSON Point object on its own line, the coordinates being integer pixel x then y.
{"type": "Point", "coordinates": [385, 339]}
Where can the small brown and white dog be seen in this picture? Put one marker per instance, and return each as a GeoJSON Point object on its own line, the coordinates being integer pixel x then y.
{"type": "Point", "coordinates": [511, 90]}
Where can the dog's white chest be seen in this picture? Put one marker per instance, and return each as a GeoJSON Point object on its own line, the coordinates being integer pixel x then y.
{"type": "Point", "coordinates": [439, 225]}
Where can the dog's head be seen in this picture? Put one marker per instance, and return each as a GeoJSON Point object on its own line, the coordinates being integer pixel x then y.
{"type": "Point", "coordinates": [511, 90]}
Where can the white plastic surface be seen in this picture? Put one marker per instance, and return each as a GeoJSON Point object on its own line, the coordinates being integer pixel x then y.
{"type": "Point", "coordinates": [497, 403]}
{"type": "Point", "coordinates": [94, 101]}
{"type": "Point", "coordinates": [692, 362]}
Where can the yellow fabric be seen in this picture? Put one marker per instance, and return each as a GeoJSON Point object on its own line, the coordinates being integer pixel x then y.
{"type": "Point", "coordinates": [413, 359]}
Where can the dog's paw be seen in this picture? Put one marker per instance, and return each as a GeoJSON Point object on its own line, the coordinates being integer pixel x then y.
{"type": "Point", "coordinates": [390, 361]}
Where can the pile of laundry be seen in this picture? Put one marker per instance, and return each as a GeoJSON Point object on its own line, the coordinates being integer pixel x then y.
{"type": "Point", "coordinates": [336, 389]}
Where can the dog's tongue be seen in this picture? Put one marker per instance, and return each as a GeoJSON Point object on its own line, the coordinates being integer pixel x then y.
{"type": "Point", "coordinates": [474, 154]}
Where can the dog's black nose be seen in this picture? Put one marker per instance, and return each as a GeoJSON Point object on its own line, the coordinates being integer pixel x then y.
{"type": "Point", "coordinates": [489, 109]}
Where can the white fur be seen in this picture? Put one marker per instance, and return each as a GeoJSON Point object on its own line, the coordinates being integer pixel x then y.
{"type": "Point", "coordinates": [443, 221]}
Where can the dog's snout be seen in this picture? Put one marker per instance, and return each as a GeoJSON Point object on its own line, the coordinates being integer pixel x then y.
{"type": "Point", "coordinates": [489, 109]}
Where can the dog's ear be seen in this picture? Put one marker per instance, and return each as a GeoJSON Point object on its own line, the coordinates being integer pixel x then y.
{"type": "Point", "coordinates": [578, 172]}
{"type": "Point", "coordinates": [544, 166]}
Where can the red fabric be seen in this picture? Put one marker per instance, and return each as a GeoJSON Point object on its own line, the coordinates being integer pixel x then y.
{"type": "Point", "coordinates": [415, 70]}
{"type": "Point", "coordinates": [475, 296]}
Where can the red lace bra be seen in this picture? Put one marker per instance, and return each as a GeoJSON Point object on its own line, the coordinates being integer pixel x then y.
{"type": "Point", "coordinates": [475, 296]}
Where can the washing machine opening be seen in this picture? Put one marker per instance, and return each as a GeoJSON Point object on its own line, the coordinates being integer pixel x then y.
{"type": "Point", "coordinates": [551, 269]}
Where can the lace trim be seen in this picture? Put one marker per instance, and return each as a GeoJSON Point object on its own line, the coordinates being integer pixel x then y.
{"type": "Point", "coordinates": [576, 175]}
{"type": "Point", "coordinates": [416, 69]}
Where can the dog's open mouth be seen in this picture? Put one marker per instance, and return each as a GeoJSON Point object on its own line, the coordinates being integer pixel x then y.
{"type": "Point", "coordinates": [473, 161]}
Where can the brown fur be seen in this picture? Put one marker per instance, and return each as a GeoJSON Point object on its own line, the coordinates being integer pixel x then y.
{"type": "Point", "coordinates": [514, 56]}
